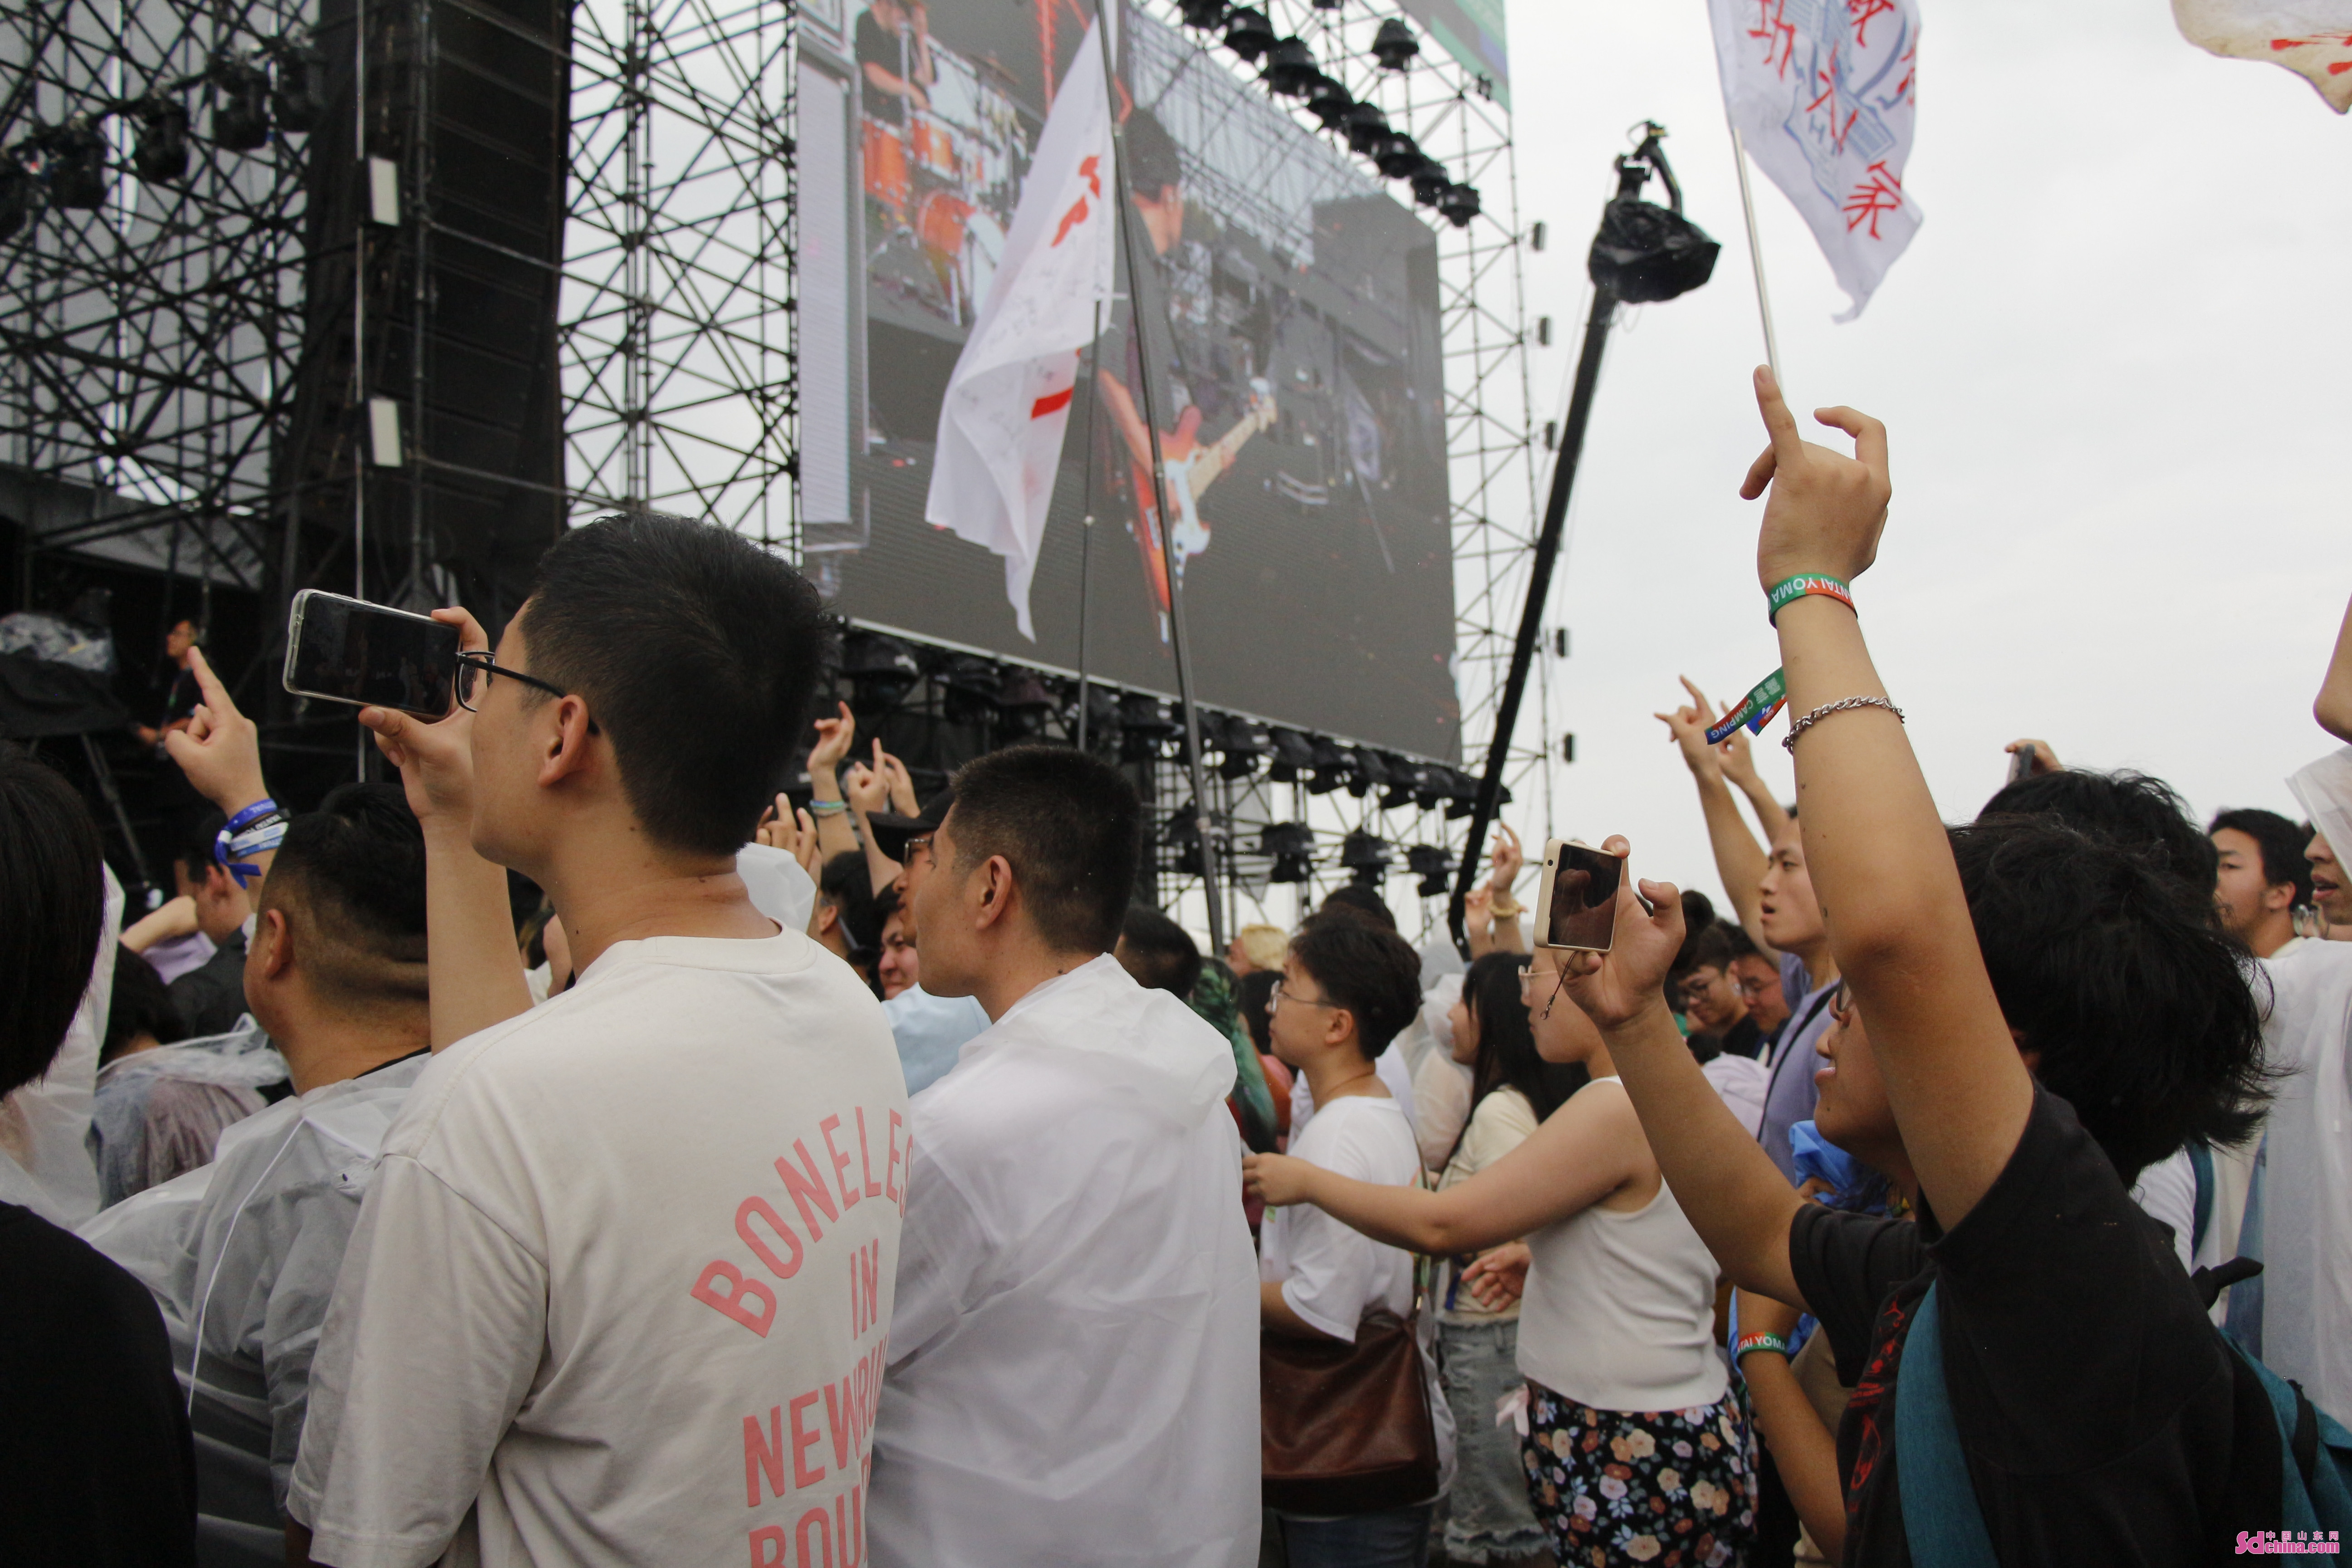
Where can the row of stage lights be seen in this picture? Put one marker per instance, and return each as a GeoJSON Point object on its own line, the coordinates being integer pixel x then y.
{"type": "Point", "coordinates": [279, 86]}
{"type": "Point", "coordinates": [1016, 703]}
{"type": "Point", "coordinates": [1287, 66]}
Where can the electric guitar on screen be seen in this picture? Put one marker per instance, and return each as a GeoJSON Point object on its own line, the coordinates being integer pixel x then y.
{"type": "Point", "coordinates": [1192, 467]}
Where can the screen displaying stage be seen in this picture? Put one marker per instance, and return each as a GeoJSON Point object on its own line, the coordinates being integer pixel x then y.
{"type": "Point", "coordinates": [1297, 337]}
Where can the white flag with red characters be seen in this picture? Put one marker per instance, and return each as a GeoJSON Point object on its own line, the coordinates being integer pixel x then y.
{"type": "Point", "coordinates": [1008, 403]}
{"type": "Point", "coordinates": [2311, 37]}
{"type": "Point", "coordinates": [1824, 94]}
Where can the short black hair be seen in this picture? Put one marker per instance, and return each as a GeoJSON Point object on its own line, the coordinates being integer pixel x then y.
{"type": "Point", "coordinates": [1153, 162]}
{"type": "Point", "coordinates": [1374, 975]}
{"type": "Point", "coordinates": [2281, 842]}
{"type": "Point", "coordinates": [1710, 948]}
{"type": "Point", "coordinates": [1358, 898]}
{"type": "Point", "coordinates": [1159, 953]}
{"type": "Point", "coordinates": [2111, 966]}
{"type": "Point", "coordinates": [356, 867]}
{"type": "Point", "coordinates": [847, 884]}
{"type": "Point", "coordinates": [2130, 809]}
{"type": "Point", "coordinates": [52, 912]}
{"type": "Point", "coordinates": [697, 651]}
{"type": "Point", "coordinates": [1070, 827]}
{"type": "Point", "coordinates": [193, 852]}
{"type": "Point", "coordinates": [141, 1005]}
{"type": "Point", "coordinates": [1254, 1000]}
{"type": "Point", "coordinates": [1699, 918]}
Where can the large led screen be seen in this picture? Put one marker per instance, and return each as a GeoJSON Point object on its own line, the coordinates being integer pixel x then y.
{"type": "Point", "coordinates": [1291, 327]}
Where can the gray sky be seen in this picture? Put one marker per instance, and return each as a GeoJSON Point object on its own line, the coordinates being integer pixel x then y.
{"type": "Point", "coordinates": [2112, 365]}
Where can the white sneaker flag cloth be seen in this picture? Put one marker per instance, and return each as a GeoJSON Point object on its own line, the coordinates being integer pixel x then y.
{"type": "Point", "coordinates": [1824, 93]}
{"type": "Point", "coordinates": [2312, 38]}
{"type": "Point", "coordinates": [1008, 403]}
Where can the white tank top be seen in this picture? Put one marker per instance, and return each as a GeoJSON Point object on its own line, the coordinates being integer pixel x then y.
{"type": "Point", "coordinates": [1620, 1307]}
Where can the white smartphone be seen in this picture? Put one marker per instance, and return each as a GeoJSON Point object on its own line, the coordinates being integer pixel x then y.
{"type": "Point", "coordinates": [1576, 902]}
{"type": "Point", "coordinates": [348, 650]}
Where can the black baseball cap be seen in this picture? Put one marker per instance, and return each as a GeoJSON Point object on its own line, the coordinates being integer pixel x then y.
{"type": "Point", "coordinates": [891, 831]}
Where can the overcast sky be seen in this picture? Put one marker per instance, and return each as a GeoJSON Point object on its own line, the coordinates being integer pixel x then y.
{"type": "Point", "coordinates": [2112, 365]}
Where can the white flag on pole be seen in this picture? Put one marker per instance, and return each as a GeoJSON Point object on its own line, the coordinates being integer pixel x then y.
{"type": "Point", "coordinates": [2310, 37]}
{"type": "Point", "coordinates": [1824, 94]}
{"type": "Point", "coordinates": [1008, 403]}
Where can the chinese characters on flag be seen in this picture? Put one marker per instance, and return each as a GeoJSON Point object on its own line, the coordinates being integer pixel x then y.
{"type": "Point", "coordinates": [1824, 94]}
{"type": "Point", "coordinates": [2311, 37]}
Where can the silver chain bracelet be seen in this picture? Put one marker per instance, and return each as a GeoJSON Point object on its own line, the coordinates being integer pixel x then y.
{"type": "Point", "coordinates": [1840, 705]}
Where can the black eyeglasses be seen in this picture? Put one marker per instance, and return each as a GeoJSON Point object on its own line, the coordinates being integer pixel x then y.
{"type": "Point", "coordinates": [475, 666]}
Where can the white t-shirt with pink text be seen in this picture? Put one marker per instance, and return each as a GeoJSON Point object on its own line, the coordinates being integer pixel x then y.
{"type": "Point", "coordinates": [622, 1281]}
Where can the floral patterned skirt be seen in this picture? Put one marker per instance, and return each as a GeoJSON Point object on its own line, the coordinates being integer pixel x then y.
{"type": "Point", "coordinates": [1671, 1489]}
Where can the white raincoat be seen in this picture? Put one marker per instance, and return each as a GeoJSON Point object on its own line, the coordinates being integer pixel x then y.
{"type": "Point", "coordinates": [244, 1252]}
{"type": "Point", "coordinates": [1074, 1352]}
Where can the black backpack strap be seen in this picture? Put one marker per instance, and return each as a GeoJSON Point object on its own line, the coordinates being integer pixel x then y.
{"type": "Point", "coordinates": [2304, 1444]}
{"type": "Point", "coordinates": [2209, 1281]}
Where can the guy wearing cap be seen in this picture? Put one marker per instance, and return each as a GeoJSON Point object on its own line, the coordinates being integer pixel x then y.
{"type": "Point", "coordinates": [929, 1030]}
{"type": "Point", "coordinates": [1074, 1344]}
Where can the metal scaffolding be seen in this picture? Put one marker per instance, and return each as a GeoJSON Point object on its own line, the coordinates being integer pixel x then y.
{"type": "Point", "coordinates": [679, 325]}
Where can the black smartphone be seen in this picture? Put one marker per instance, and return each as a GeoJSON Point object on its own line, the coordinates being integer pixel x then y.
{"type": "Point", "coordinates": [348, 650]}
{"type": "Point", "coordinates": [2021, 763]}
{"type": "Point", "coordinates": [1576, 905]}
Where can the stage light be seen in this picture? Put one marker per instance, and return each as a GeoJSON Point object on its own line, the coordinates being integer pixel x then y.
{"type": "Point", "coordinates": [1371, 773]}
{"type": "Point", "coordinates": [1397, 155]}
{"type": "Point", "coordinates": [1334, 764]}
{"type": "Point", "coordinates": [1406, 780]}
{"type": "Point", "coordinates": [1458, 204]}
{"type": "Point", "coordinates": [1247, 32]}
{"type": "Point", "coordinates": [1290, 68]}
{"type": "Point", "coordinates": [1202, 14]}
{"type": "Point", "coordinates": [1327, 4]}
{"type": "Point", "coordinates": [880, 670]}
{"type": "Point", "coordinates": [240, 105]}
{"type": "Point", "coordinates": [73, 156]}
{"type": "Point", "coordinates": [1292, 845]}
{"type": "Point", "coordinates": [299, 103]}
{"type": "Point", "coordinates": [1182, 835]}
{"type": "Point", "coordinates": [1461, 794]}
{"type": "Point", "coordinates": [1429, 183]}
{"type": "Point", "coordinates": [1394, 46]}
{"type": "Point", "coordinates": [1102, 714]}
{"type": "Point", "coordinates": [1367, 129]}
{"type": "Point", "coordinates": [1292, 754]}
{"type": "Point", "coordinates": [159, 152]}
{"type": "Point", "coordinates": [1432, 864]}
{"type": "Point", "coordinates": [968, 688]}
{"type": "Point", "coordinates": [1240, 744]}
{"type": "Point", "coordinates": [1022, 704]}
{"type": "Point", "coordinates": [15, 196]}
{"type": "Point", "coordinates": [1367, 856]}
{"type": "Point", "coordinates": [1144, 727]}
{"type": "Point", "coordinates": [1328, 101]}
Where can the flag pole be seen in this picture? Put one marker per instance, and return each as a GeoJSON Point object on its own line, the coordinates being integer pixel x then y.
{"type": "Point", "coordinates": [1182, 645]}
{"type": "Point", "coordinates": [1755, 246]}
{"type": "Point", "coordinates": [1087, 540]}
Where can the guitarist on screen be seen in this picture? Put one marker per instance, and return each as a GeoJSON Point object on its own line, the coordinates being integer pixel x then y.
{"type": "Point", "coordinates": [1191, 464]}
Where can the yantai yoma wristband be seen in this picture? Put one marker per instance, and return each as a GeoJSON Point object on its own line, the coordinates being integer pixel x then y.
{"type": "Point", "coordinates": [1755, 709]}
{"type": "Point", "coordinates": [1776, 1343]}
{"type": "Point", "coordinates": [1788, 589]}
{"type": "Point", "coordinates": [259, 828]}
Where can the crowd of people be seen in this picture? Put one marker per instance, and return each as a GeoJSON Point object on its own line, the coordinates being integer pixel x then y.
{"type": "Point", "coordinates": [579, 1152]}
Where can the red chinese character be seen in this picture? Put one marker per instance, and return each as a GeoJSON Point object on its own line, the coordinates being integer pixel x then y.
{"type": "Point", "coordinates": [1880, 192]}
{"type": "Point", "coordinates": [1775, 32]}
{"type": "Point", "coordinates": [2320, 41]}
{"type": "Point", "coordinates": [1859, 12]}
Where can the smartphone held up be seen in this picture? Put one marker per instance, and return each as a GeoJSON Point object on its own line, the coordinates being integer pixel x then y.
{"type": "Point", "coordinates": [1576, 903]}
{"type": "Point", "coordinates": [348, 650]}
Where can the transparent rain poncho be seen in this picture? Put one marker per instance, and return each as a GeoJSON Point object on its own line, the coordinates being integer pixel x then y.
{"type": "Point", "coordinates": [159, 1112]}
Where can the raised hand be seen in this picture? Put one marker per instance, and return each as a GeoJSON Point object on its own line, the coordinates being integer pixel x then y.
{"type": "Point", "coordinates": [1826, 510]}
{"type": "Point", "coordinates": [220, 748]}
{"type": "Point", "coordinates": [867, 790]}
{"type": "Point", "coordinates": [435, 760]}
{"type": "Point", "coordinates": [1687, 726]}
{"type": "Point", "coordinates": [1508, 859]}
{"type": "Point", "coordinates": [901, 784]}
{"type": "Point", "coordinates": [793, 832]}
{"type": "Point", "coordinates": [2045, 759]}
{"type": "Point", "coordinates": [833, 740]}
{"type": "Point", "coordinates": [1616, 987]}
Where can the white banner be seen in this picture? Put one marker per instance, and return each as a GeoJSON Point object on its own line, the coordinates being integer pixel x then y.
{"type": "Point", "coordinates": [1008, 403]}
{"type": "Point", "coordinates": [2311, 37]}
{"type": "Point", "coordinates": [1824, 93]}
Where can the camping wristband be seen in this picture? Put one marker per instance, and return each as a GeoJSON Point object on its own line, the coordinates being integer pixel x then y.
{"type": "Point", "coordinates": [1755, 709]}
{"type": "Point", "coordinates": [1776, 1343]}
{"type": "Point", "coordinates": [258, 829]}
{"type": "Point", "coordinates": [1788, 589]}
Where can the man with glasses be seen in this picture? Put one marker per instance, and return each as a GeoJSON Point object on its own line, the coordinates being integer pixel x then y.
{"type": "Point", "coordinates": [1073, 1374]}
{"type": "Point", "coordinates": [615, 1243]}
{"type": "Point", "coordinates": [1711, 999]}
